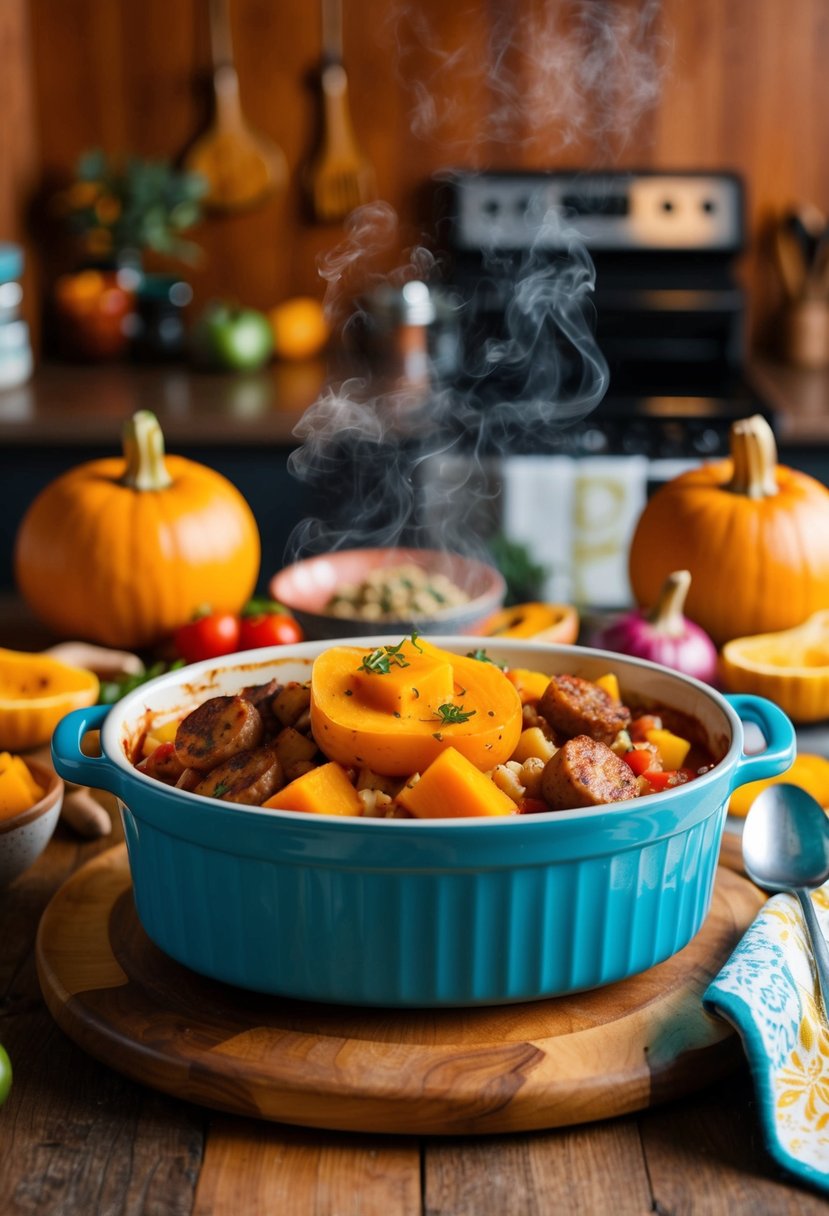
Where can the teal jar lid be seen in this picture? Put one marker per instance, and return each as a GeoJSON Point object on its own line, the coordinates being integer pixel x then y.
{"type": "Point", "coordinates": [11, 262]}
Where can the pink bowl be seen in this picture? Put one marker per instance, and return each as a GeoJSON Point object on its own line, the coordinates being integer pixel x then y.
{"type": "Point", "coordinates": [306, 587]}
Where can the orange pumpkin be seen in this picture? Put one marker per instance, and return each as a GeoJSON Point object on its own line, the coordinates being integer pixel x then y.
{"type": "Point", "coordinates": [753, 534]}
{"type": "Point", "coordinates": [122, 551]}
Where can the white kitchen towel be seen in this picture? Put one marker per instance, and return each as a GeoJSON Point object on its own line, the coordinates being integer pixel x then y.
{"type": "Point", "coordinates": [537, 511]}
{"type": "Point", "coordinates": [609, 495]}
{"type": "Point", "coordinates": [577, 517]}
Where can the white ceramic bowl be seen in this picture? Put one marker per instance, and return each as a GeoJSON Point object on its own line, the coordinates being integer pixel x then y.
{"type": "Point", "coordinates": [306, 587]}
{"type": "Point", "coordinates": [23, 837]}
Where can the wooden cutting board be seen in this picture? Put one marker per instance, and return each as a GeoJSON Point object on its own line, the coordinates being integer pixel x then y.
{"type": "Point", "coordinates": [544, 1064]}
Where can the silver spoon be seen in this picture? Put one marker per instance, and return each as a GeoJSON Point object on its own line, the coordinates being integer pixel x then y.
{"type": "Point", "coordinates": [786, 848]}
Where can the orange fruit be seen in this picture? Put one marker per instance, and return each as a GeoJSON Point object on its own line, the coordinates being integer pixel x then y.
{"type": "Point", "coordinates": [300, 328]}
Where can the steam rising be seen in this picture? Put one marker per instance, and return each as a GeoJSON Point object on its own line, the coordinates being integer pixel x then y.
{"type": "Point", "coordinates": [557, 73]}
{"type": "Point", "coordinates": [363, 443]}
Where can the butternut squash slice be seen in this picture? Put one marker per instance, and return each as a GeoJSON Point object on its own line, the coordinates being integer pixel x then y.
{"type": "Point", "coordinates": [543, 622]}
{"type": "Point", "coordinates": [355, 727]}
{"type": "Point", "coordinates": [36, 691]}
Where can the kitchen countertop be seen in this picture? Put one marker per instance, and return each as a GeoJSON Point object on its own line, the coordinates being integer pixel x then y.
{"type": "Point", "coordinates": [80, 1138]}
{"type": "Point", "coordinates": [74, 404]}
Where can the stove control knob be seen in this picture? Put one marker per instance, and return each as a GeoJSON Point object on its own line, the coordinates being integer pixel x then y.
{"type": "Point", "coordinates": [708, 442]}
{"type": "Point", "coordinates": [593, 441]}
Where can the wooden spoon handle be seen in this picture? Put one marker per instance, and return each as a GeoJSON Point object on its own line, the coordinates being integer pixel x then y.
{"type": "Point", "coordinates": [225, 76]}
{"type": "Point", "coordinates": [332, 31]}
{"type": "Point", "coordinates": [221, 43]}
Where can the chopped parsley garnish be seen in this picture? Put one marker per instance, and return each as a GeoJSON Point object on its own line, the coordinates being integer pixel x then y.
{"type": "Point", "coordinates": [483, 657]}
{"type": "Point", "coordinates": [380, 661]}
{"type": "Point", "coordinates": [449, 713]}
{"type": "Point", "coordinates": [220, 789]}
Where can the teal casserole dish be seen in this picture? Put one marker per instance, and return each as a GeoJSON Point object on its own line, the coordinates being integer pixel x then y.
{"type": "Point", "coordinates": [425, 913]}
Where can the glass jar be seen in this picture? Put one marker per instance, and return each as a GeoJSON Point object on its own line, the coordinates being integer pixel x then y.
{"type": "Point", "coordinates": [15, 346]}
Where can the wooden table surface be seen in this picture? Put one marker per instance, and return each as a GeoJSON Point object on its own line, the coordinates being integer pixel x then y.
{"type": "Point", "coordinates": [76, 1137]}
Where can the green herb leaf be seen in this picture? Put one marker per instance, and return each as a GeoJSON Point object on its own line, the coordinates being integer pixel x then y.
{"type": "Point", "coordinates": [220, 789]}
{"type": "Point", "coordinates": [379, 662]}
{"type": "Point", "coordinates": [113, 690]}
{"type": "Point", "coordinates": [449, 713]}
{"type": "Point", "coordinates": [483, 657]}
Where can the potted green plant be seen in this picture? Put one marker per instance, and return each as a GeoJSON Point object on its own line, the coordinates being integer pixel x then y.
{"type": "Point", "coordinates": [121, 209]}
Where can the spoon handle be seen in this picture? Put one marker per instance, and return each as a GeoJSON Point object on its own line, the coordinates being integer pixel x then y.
{"type": "Point", "coordinates": [819, 946]}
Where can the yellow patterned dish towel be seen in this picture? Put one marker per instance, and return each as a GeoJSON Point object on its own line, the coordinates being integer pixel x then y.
{"type": "Point", "coordinates": [768, 991]}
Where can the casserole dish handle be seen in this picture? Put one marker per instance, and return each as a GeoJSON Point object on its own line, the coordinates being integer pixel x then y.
{"type": "Point", "coordinates": [68, 758]}
{"type": "Point", "coordinates": [777, 730]}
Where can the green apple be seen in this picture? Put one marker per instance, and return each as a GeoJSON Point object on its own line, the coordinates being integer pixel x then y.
{"type": "Point", "coordinates": [231, 338]}
{"type": "Point", "coordinates": [5, 1075]}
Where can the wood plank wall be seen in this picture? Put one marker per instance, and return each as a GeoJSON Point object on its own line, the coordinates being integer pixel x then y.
{"type": "Point", "coordinates": [719, 84]}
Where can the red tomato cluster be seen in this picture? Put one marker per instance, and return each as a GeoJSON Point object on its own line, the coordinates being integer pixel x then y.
{"type": "Point", "coordinates": [213, 634]}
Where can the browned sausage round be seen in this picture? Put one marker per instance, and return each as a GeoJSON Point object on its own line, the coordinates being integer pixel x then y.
{"type": "Point", "coordinates": [217, 730]}
{"type": "Point", "coordinates": [584, 772]}
{"type": "Point", "coordinates": [250, 777]}
{"type": "Point", "coordinates": [574, 706]}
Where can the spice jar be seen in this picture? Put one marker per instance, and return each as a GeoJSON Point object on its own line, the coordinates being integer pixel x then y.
{"type": "Point", "coordinates": [15, 346]}
{"type": "Point", "coordinates": [410, 330]}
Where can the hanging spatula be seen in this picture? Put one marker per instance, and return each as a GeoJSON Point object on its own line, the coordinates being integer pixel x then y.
{"type": "Point", "coordinates": [240, 166]}
{"type": "Point", "coordinates": [339, 178]}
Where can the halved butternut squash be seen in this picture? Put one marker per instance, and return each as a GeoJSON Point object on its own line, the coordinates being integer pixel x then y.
{"type": "Point", "coordinates": [483, 720]}
{"type": "Point", "coordinates": [36, 691]}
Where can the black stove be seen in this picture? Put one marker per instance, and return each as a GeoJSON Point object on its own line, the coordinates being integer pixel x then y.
{"type": "Point", "coordinates": [668, 312]}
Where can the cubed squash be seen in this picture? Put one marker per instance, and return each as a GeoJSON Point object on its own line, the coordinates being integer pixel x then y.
{"type": "Point", "coordinates": [452, 787]}
{"type": "Point", "coordinates": [400, 690]}
{"type": "Point", "coordinates": [18, 788]}
{"type": "Point", "coordinates": [672, 748]}
{"type": "Point", "coordinates": [18, 765]}
{"type": "Point", "coordinates": [610, 683]}
{"type": "Point", "coordinates": [325, 790]}
{"type": "Point", "coordinates": [531, 685]}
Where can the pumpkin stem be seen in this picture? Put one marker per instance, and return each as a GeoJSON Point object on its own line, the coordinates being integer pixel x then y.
{"type": "Point", "coordinates": [666, 614]}
{"type": "Point", "coordinates": [754, 456]}
{"type": "Point", "coordinates": [144, 453]}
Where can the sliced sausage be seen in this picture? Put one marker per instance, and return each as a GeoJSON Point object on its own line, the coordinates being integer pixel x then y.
{"type": "Point", "coordinates": [189, 779]}
{"type": "Point", "coordinates": [162, 763]}
{"type": "Point", "coordinates": [585, 772]}
{"type": "Point", "coordinates": [262, 695]}
{"type": "Point", "coordinates": [217, 730]}
{"type": "Point", "coordinates": [574, 706]}
{"type": "Point", "coordinates": [250, 777]}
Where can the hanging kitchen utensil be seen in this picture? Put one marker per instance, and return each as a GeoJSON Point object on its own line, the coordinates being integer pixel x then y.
{"type": "Point", "coordinates": [241, 167]}
{"type": "Point", "coordinates": [339, 178]}
{"type": "Point", "coordinates": [790, 261]}
{"type": "Point", "coordinates": [807, 223]}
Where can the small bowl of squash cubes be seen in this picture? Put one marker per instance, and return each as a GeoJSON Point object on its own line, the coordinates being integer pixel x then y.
{"type": "Point", "coordinates": [31, 797]}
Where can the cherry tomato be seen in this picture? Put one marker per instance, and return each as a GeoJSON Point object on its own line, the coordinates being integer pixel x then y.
{"type": "Point", "coordinates": [208, 637]}
{"type": "Point", "coordinates": [668, 779]}
{"type": "Point", "coordinates": [273, 627]}
{"type": "Point", "coordinates": [639, 760]}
